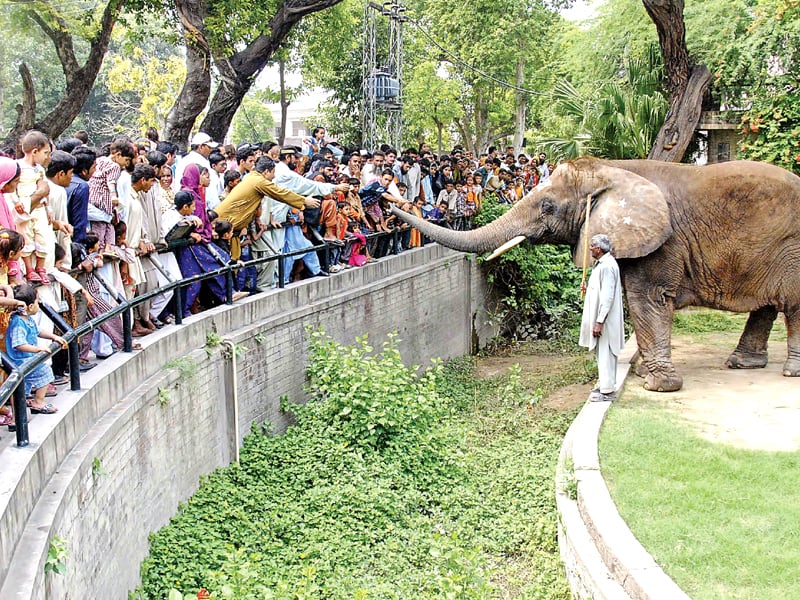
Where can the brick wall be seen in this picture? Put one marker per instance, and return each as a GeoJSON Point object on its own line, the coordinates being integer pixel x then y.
{"type": "Point", "coordinates": [151, 448]}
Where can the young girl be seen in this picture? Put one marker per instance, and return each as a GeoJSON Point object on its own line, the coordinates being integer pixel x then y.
{"type": "Point", "coordinates": [11, 244]}
{"type": "Point", "coordinates": [9, 178]}
{"type": "Point", "coordinates": [21, 344]}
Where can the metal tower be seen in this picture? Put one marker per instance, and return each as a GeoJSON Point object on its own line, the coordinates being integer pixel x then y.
{"type": "Point", "coordinates": [382, 111]}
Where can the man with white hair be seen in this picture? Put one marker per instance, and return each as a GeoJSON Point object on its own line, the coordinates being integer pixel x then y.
{"type": "Point", "coordinates": [602, 326]}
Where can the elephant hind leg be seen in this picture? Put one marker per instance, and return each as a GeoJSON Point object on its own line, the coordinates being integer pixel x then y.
{"type": "Point", "coordinates": [791, 368]}
{"type": "Point", "coordinates": [751, 352]}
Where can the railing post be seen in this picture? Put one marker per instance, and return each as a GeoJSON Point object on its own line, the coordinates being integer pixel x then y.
{"type": "Point", "coordinates": [280, 273]}
{"type": "Point", "coordinates": [127, 324]}
{"type": "Point", "coordinates": [178, 305]}
{"type": "Point", "coordinates": [396, 240]}
{"type": "Point", "coordinates": [229, 286]}
{"type": "Point", "coordinates": [326, 258]}
{"type": "Point", "coordinates": [74, 365]}
{"type": "Point", "coordinates": [21, 414]}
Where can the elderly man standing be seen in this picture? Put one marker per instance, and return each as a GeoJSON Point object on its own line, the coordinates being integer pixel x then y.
{"type": "Point", "coordinates": [602, 326]}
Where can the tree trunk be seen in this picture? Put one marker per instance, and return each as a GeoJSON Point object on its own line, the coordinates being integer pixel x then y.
{"type": "Point", "coordinates": [238, 71]}
{"type": "Point", "coordinates": [80, 80]}
{"type": "Point", "coordinates": [284, 101]}
{"type": "Point", "coordinates": [685, 82]}
{"type": "Point", "coordinates": [521, 109]}
{"type": "Point", "coordinates": [197, 87]}
{"type": "Point", "coordinates": [26, 111]}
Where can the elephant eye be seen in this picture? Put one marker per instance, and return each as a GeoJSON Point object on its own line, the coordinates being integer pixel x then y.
{"type": "Point", "coordinates": [548, 206]}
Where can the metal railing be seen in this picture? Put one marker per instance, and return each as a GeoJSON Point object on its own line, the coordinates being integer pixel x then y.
{"type": "Point", "coordinates": [13, 386]}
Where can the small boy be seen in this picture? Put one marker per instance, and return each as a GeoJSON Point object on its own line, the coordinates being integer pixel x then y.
{"type": "Point", "coordinates": [103, 193]}
{"type": "Point", "coordinates": [31, 205]}
{"type": "Point", "coordinates": [21, 344]}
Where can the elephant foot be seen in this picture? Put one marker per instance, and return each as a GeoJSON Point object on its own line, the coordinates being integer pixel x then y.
{"type": "Point", "coordinates": [663, 383]}
{"type": "Point", "coordinates": [641, 370]}
{"type": "Point", "coordinates": [747, 360]}
{"type": "Point", "coordinates": [791, 368]}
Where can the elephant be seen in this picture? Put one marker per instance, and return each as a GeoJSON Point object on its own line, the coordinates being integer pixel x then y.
{"type": "Point", "coordinates": [723, 236]}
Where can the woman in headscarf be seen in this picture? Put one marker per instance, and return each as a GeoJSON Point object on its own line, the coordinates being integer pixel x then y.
{"type": "Point", "coordinates": [201, 257]}
{"type": "Point", "coordinates": [9, 177]}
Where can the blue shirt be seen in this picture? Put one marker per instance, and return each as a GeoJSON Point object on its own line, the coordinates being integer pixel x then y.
{"type": "Point", "coordinates": [21, 330]}
{"type": "Point", "coordinates": [371, 193]}
{"type": "Point", "coordinates": [78, 208]}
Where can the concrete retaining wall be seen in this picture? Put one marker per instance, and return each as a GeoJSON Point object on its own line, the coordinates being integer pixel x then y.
{"type": "Point", "coordinates": [121, 454]}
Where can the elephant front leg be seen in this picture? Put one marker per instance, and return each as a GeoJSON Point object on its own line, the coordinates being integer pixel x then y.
{"type": "Point", "coordinates": [652, 321]}
{"type": "Point", "coordinates": [751, 351]}
{"type": "Point", "coordinates": [791, 368]}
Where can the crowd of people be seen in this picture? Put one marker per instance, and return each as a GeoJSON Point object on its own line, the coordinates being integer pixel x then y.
{"type": "Point", "coordinates": [85, 227]}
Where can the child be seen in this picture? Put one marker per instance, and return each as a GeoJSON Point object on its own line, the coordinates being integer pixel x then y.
{"type": "Point", "coordinates": [31, 205]}
{"type": "Point", "coordinates": [9, 178]}
{"type": "Point", "coordinates": [21, 344]}
{"type": "Point", "coordinates": [103, 192]}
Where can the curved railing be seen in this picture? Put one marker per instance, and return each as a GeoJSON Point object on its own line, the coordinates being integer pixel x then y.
{"type": "Point", "coordinates": [12, 387]}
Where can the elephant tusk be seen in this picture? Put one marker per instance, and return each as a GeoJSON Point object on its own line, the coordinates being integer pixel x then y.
{"type": "Point", "coordinates": [506, 247]}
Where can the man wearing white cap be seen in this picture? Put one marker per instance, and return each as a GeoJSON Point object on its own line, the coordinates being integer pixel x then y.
{"type": "Point", "coordinates": [201, 146]}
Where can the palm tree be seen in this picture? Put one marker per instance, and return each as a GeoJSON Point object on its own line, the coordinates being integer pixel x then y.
{"type": "Point", "coordinates": [620, 120]}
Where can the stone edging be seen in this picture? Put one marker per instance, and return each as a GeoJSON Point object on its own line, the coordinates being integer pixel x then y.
{"type": "Point", "coordinates": [603, 559]}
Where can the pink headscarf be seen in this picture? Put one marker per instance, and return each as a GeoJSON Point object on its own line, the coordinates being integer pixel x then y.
{"type": "Point", "coordinates": [9, 169]}
{"type": "Point", "coordinates": [190, 182]}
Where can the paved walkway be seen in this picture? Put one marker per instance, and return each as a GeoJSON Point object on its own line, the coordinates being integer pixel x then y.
{"type": "Point", "coordinates": [757, 409]}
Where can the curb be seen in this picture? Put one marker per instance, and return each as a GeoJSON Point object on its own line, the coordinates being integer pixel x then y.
{"type": "Point", "coordinates": [602, 558]}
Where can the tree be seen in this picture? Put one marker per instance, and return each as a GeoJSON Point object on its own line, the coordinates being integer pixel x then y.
{"type": "Point", "coordinates": [79, 78]}
{"type": "Point", "coordinates": [431, 100]}
{"type": "Point", "coordinates": [686, 82]}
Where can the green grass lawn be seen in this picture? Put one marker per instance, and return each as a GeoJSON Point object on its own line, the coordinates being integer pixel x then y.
{"type": "Point", "coordinates": [722, 522]}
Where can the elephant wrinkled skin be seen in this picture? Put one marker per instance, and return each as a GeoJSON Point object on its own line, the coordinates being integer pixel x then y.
{"type": "Point", "coordinates": [723, 236]}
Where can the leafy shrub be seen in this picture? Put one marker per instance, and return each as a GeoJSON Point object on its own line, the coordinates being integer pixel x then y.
{"type": "Point", "coordinates": [539, 285]}
{"type": "Point", "coordinates": [401, 496]}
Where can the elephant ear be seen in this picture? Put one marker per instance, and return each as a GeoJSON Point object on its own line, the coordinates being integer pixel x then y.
{"type": "Point", "coordinates": [630, 210]}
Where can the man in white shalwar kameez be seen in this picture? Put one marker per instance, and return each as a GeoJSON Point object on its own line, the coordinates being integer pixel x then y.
{"type": "Point", "coordinates": [602, 326]}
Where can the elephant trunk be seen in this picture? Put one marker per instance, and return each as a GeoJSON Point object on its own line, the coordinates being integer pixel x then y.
{"type": "Point", "coordinates": [483, 239]}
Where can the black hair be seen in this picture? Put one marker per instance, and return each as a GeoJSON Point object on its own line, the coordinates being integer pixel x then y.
{"type": "Point", "coordinates": [214, 158]}
{"type": "Point", "coordinates": [156, 159]}
{"type": "Point", "coordinates": [91, 240]}
{"type": "Point", "coordinates": [323, 164]}
{"type": "Point", "coordinates": [69, 144]}
{"type": "Point", "coordinates": [182, 199]}
{"type": "Point", "coordinates": [10, 241]}
{"type": "Point", "coordinates": [26, 293]}
{"type": "Point", "coordinates": [152, 134]}
{"type": "Point", "coordinates": [387, 172]}
{"type": "Point", "coordinates": [81, 135]}
{"type": "Point", "coordinates": [60, 253]}
{"type": "Point", "coordinates": [84, 158]}
{"type": "Point", "coordinates": [265, 163]}
{"type": "Point", "coordinates": [221, 227]}
{"type": "Point", "coordinates": [243, 152]}
{"type": "Point", "coordinates": [166, 147]}
{"type": "Point", "coordinates": [60, 161]}
{"type": "Point", "coordinates": [212, 215]}
{"type": "Point", "coordinates": [354, 181]}
{"type": "Point", "coordinates": [141, 171]}
{"type": "Point", "coordinates": [231, 176]}
{"type": "Point", "coordinates": [120, 229]}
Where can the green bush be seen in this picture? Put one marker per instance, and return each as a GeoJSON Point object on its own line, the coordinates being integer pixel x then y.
{"type": "Point", "coordinates": [539, 285]}
{"type": "Point", "coordinates": [387, 487]}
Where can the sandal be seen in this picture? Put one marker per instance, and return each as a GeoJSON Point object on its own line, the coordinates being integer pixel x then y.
{"type": "Point", "coordinates": [33, 277]}
{"type": "Point", "coordinates": [6, 420]}
{"type": "Point", "coordinates": [47, 409]}
{"type": "Point", "coordinates": [42, 273]}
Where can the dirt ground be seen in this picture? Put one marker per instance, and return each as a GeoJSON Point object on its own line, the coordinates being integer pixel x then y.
{"type": "Point", "coordinates": [757, 409]}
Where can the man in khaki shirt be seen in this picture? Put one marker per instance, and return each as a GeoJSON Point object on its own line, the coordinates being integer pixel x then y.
{"type": "Point", "coordinates": [242, 204]}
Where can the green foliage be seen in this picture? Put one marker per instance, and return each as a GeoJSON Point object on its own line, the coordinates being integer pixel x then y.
{"type": "Point", "coordinates": [253, 121]}
{"type": "Point", "coordinates": [706, 321]}
{"type": "Point", "coordinates": [56, 557]}
{"type": "Point", "coordinates": [186, 366]}
{"type": "Point", "coordinates": [406, 495]}
{"type": "Point", "coordinates": [97, 469]}
{"type": "Point", "coordinates": [539, 285]}
{"type": "Point", "coordinates": [164, 396]}
{"type": "Point", "coordinates": [619, 120]}
{"type": "Point", "coordinates": [368, 401]}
